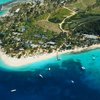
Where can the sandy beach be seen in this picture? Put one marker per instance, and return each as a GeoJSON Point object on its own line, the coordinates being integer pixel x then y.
{"type": "Point", "coordinates": [15, 62]}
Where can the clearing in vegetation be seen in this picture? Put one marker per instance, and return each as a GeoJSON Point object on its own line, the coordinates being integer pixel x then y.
{"type": "Point", "coordinates": [49, 26]}
{"type": "Point", "coordinates": [59, 15]}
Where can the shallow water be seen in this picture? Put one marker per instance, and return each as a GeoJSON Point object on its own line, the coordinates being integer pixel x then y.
{"type": "Point", "coordinates": [62, 80]}
{"type": "Point", "coordinates": [3, 12]}
{"type": "Point", "coordinates": [5, 1]}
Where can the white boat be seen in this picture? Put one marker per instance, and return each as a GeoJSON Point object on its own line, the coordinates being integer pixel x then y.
{"type": "Point", "coordinates": [14, 90]}
{"type": "Point", "coordinates": [41, 75]}
{"type": "Point", "coordinates": [49, 69]}
{"type": "Point", "coordinates": [72, 81]}
{"type": "Point", "coordinates": [58, 58]}
{"type": "Point", "coordinates": [83, 68]}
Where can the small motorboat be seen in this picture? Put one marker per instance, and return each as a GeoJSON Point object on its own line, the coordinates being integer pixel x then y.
{"type": "Point", "coordinates": [83, 68]}
{"type": "Point", "coordinates": [14, 90]}
{"type": "Point", "coordinates": [49, 68]}
{"type": "Point", "coordinates": [72, 81]}
{"type": "Point", "coordinates": [58, 58]}
{"type": "Point", "coordinates": [41, 75]}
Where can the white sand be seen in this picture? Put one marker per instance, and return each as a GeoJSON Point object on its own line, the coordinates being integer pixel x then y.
{"type": "Point", "coordinates": [15, 62]}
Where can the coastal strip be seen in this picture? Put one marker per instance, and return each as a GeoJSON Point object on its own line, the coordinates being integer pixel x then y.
{"type": "Point", "coordinates": [7, 6]}
{"type": "Point", "coordinates": [18, 63]}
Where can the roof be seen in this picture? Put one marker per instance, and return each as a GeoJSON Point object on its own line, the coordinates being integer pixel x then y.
{"type": "Point", "coordinates": [34, 45]}
{"type": "Point", "coordinates": [90, 36]}
{"type": "Point", "coordinates": [17, 10]}
{"type": "Point", "coordinates": [51, 42]}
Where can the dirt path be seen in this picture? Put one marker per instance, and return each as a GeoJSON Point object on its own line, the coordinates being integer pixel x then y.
{"type": "Point", "coordinates": [48, 17]}
{"type": "Point", "coordinates": [72, 14]}
{"type": "Point", "coordinates": [60, 25]}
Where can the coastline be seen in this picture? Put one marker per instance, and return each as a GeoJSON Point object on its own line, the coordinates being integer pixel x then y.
{"type": "Point", "coordinates": [17, 63]}
{"type": "Point", "coordinates": [7, 6]}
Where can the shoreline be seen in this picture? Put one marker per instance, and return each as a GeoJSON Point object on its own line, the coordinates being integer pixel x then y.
{"type": "Point", "coordinates": [19, 63]}
{"type": "Point", "coordinates": [6, 7]}
{"type": "Point", "coordinates": [9, 5]}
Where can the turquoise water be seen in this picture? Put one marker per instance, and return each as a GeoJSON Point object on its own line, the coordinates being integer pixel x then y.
{"type": "Point", "coordinates": [85, 58]}
{"type": "Point", "coordinates": [3, 12]}
{"type": "Point", "coordinates": [64, 81]}
{"type": "Point", "coordinates": [5, 1]}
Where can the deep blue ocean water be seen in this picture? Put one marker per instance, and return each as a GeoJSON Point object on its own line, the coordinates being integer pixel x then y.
{"type": "Point", "coordinates": [64, 81]}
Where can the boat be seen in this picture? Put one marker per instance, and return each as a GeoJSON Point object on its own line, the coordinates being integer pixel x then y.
{"type": "Point", "coordinates": [41, 75]}
{"type": "Point", "coordinates": [72, 81]}
{"type": "Point", "coordinates": [49, 69]}
{"type": "Point", "coordinates": [58, 58]}
{"type": "Point", "coordinates": [83, 68]}
{"type": "Point", "coordinates": [14, 90]}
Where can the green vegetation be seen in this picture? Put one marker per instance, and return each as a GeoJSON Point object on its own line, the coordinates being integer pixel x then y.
{"type": "Point", "coordinates": [91, 27]}
{"type": "Point", "coordinates": [35, 29]}
{"type": "Point", "coordinates": [59, 15]}
{"type": "Point", "coordinates": [26, 33]}
{"type": "Point", "coordinates": [79, 20]}
{"type": "Point", "coordinates": [95, 10]}
{"type": "Point", "coordinates": [49, 25]}
{"type": "Point", "coordinates": [43, 17]}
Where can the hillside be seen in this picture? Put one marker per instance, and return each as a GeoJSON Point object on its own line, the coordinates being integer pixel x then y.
{"type": "Point", "coordinates": [86, 21]}
{"type": "Point", "coordinates": [52, 26]}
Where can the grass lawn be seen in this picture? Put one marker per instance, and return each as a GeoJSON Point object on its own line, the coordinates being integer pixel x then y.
{"type": "Point", "coordinates": [89, 2]}
{"type": "Point", "coordinates": [49, 26]}
{"type": "Point", "coordinates": [59, 15]}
